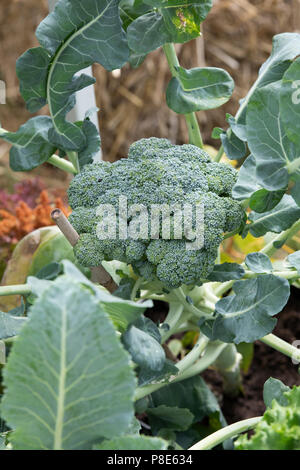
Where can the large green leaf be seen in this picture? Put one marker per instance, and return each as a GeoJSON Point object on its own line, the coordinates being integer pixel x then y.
{"type": "Point", "coordinates": [264, 200]}
{"type": "Point", "coordinates": [199, 89]}
{"type": "Point", "coordinates": [290, 102]}
{"type": "Point", "coordinates": [294, 260]}
{"type": "Point", "coordinates": [285, 214]}
{"type": "Point", "coordinates": [167, 21]}
{"type": "Point", "coordinates": [246, 315]}
{"type": "Point", "coordinates": [75, 35]}
{"type": "Point", "coordinates": [226, 272]}
{"type": "Point", "coordinates": [274, 389]}
{"type": "Point", "coordinates": [122, 312]}
{"type": "Point", "coordinates": [192, 394]}
{"type": "Point", "coordinates": [68, 380]}
{"type": "Point", "coordinates": [169, 417]}
{"type": "Point", "coordinates": [133, 443]}
{"type": "Point", "coordinates": [246, 183]}
{"type": "Point", "coordinates": [31, 147]}
{"type": "Point", "coordinates": [10, 325]}
{"type": "Point", "coordinates": [258, 263]}
{"type": "Point", "coordinates": [147, 33]}
{"type": "Point", "coordinates": [285, 48]}
{"type": "Point", "coordinates": [267, 138]}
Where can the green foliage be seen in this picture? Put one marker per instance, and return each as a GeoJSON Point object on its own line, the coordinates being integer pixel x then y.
{"type": "Point", "coordinates": [226, 272]}
{"type": "Point", "coordinates": [198, 89]}
{"type": "Point", "coordinates": [274, 389]}
{"type": "Point", "coordinates": [258, 263]}
{"type": "Point", "coordinates": [156, 172]}
{"type": "Point", "coordinates": [10, 325]}
{"type": "Point", "coordinates": [247, 315]}
{"type": "Point", "coordinates": [280, 427]}
{"type": "Point", "coordinates": [164, 22]}
{"type": "Point", "coordinates": [60, 392]}
{"type": "Point", "coordinates": [285, 214]}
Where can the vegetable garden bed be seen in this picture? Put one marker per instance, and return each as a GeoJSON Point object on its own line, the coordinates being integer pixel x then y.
{"type": "Point", "coordinates": [84, 363]}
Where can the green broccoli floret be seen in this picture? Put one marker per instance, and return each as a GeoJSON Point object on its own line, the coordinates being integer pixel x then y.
{"type": "Point", "coordinates": [155, 173]}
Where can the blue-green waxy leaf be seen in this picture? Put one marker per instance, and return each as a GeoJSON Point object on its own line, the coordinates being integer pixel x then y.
{"type": "Point", "coordinates": [166, 21]}
{"type": "Point", "coordinates": [69, 383]}
{"type": "Point", "coordinates": [246, 183]}
{"type": "Point", "coordinates": [75, 35]}
{"type": "Point", "coordinates": [144, 349]}
{"type": "Point", "coordinates": [191, 393]}
{"type": "Point", "coordinates": [264, 200]}
{"type": "Point", "coordinates": [285, 48]}
{"type": "Point", "coordinates": [274, 389]}
{"type": "Point", "coordinates": [199, 89]}
{"type": "Point", "coordinates": [258, 263]}
{"type": "Point", "coordinates": [10, 325]}
{"type": "Point", "coordinates": [247, 315]}
{"type": "Point", "coordinates": [290, 102]}
{"type": "Point", "coordinates": [93, 144]}
{"type": "Point", "coordinates": [147, 33]}
{"type": "Point", "coordinates": [30, 143]}
{"type": "Point", "coordinates": [226, 272]}
{"type": "Point", "coordinates": [133, 443]}
{"type": "Point", "coordinates": [32, 70]}
{"type": "Point", "coordinates": [267, 138]}
{"type": "Point", "coordinates": [283, 216]}
{"type": "Point", "coordinates": [294, 260]}
{"type": "Point", "coordinates": [169, 417]}
{"type": "Point", "coordinates": [234, 147]}
{"type": "Point", "coordinates": [239, 130]}
{"type": "Point", "coordinates": [295, 191]}
{"type": "Point", "coordinates": [121, 311]}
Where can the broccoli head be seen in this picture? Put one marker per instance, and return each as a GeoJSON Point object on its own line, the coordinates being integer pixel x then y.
{"type": "Point", "coordinates": [155, 175]}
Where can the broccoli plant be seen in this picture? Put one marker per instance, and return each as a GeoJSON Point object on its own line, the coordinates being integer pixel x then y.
{"type": "Point", "coordinates": [88, 364]}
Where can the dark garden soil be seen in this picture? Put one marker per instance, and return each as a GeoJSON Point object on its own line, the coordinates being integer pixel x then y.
{"type": "Point", "coordinates": [266, 363]}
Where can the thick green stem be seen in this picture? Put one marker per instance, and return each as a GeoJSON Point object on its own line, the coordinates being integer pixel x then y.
{"type": "Point", "coordinates": [282, 346]}
{"type": "Point", "coordinates": [219, 154]}
{"type": "Point", "coordinates": [191, 118]}
{"type": "Point", "coordinates": [136, 287]}
{"type": "Point", "coordinates": [63, 164]}
{"type": "Point", "coordinates": [228, 366]}
{"type": "Point", "coordinates": [226, 433]}
{"type": "Point", "coordinates": [73, 157]}
{"type": "Point", "coordinates": [22, 289]}
{"type": "Point", "coordinates": [269, 249]}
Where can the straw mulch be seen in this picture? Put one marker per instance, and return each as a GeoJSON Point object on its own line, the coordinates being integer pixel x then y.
{"type": "Point", "coordinates": [237, 36]}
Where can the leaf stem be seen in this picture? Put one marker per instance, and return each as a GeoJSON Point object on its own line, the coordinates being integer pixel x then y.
{"type": "Point", "coordinates": [219, 154]}
{"type": "Point", "coordinates": [191, 118]}
{"type": "Point", "coordinates": [269, 249]}
{"type": "Point", "coordinates": [225, 433]}
{"type": "Point", "coordinates": [73, 157]}
{"type": "Point", "coordinates": [282, 346]}
{"type": "Point", "coordinates": [63, 164]}
{"type": "Point", "coordinates": [21, 289]}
